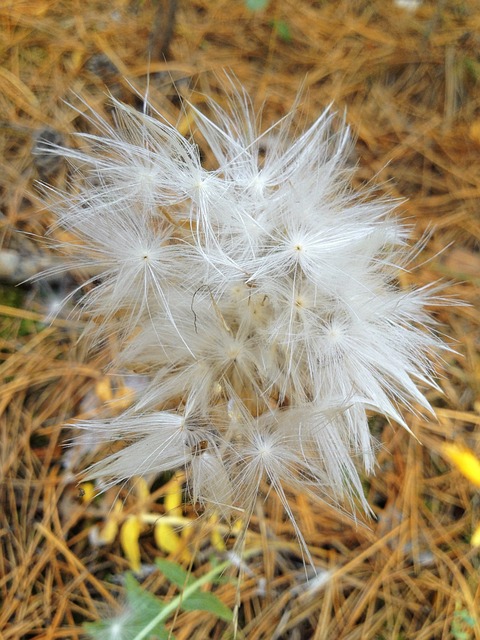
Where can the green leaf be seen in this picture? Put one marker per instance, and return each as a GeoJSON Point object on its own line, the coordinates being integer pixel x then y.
{"type": "Point", "coordinates": [176, 602]}
{"type": "Point", "coordinates": [142, 607]}
{"type": "Point", "coordinates": [123, 627]}
{"type": "Point", "coordinates": [283, 30]}
{"type": "Point", "coordinates": [98, 630]}
{"type": "Point", "coordinates": [174, 573]}
{"type": "Point", "coordinates": [473, 68]}
{"type": "Point", "coordinates": [201, 601]}
{"type": "Point", "coordinates": [256, 5]}
{"type": "Point", "coordinates": [110, 630]}
{"type": "Point", "coordinates": [140, 599]}
{"type": "Point", "coordinates": [205, 601]}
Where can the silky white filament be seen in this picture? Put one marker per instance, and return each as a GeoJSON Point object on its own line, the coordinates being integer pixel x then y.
{"type": "Point", "coordinates": [259, 297]}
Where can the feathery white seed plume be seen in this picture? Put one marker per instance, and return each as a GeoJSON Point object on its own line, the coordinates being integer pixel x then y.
{"type": "Point", "coordinates": [260, 297]}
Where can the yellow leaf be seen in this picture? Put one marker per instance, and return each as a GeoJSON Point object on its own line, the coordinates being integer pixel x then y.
{"type": "Point", "coordinates": [173, 499]}
{"type": "Point", "coordinates": [141, 489]}
{"type": "Point", "coordinates": [237, 526]}
{"type": "Point", "coordinates": [166, 538]}
{"type": "Point", "coordinates": [129, 535]}
{"type": "Point", "coordinates": [123, 398]}
{"type": "Point", "coordinates": [465, 460]}
{"type": "Point", "coordinates": [87, 491]}
{"type": "Point", "coordinates": [216, 537]}
{"type": "Point", "coordinates": [475, 541]}
{"type": "Point", "coordinates": [185, 124]}
{"type": "Point", "coordinates": [103, 389]}
{"type": "Point", "coordinates": [475, 131]}
{"type": "Point", "coordinates": [169, 541]}
{"type": "Point", "coordinates": [109, 531]}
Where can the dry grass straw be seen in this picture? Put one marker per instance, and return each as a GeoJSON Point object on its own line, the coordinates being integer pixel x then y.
{"type": "Point", "coordinates": [410, 83]}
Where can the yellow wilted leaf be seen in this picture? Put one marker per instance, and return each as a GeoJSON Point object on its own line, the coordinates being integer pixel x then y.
{"type": "Point", "coordinates": [103, 389]}
{"type": "Point", "coordinates": [237, 526]}
{"type": "Point", "coordinates": [123, 398]}
{"type": "Point", "coordinates": [166, 538]}
{"type": "Point", "coordinates": [87, 491]}
{"type": "Point", "coordinates": [169, 541]}
{"type": "Point", "coordinates": [465, 460]}
{"type": "Point", "coordinates": [185, 124]}
{"type": "Point", "coordinates": [173, 499]}
{"type": "Point", "coordinates": [110, 529]}
{"type": "Point", "coordinates": [475, 541]}
{"type": "Point", "coordinates": [216, 537]}
{"type": "Point", "coordinates": [475, 131]}
{"type": "Point", "coordinates": [129, 535]}
{"type": "Point", "coordinates": [141, 489]}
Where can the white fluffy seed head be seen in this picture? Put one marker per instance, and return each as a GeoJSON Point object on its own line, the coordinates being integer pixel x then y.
{"type": "Point", "coordinates": [258, 295]}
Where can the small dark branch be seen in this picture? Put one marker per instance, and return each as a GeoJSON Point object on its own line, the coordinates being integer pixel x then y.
{"type": "Point", "coordinates": [162, 30]}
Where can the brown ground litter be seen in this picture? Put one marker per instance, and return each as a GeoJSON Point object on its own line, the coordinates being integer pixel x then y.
{"type": "Point", "coordinates": [409, 82]}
